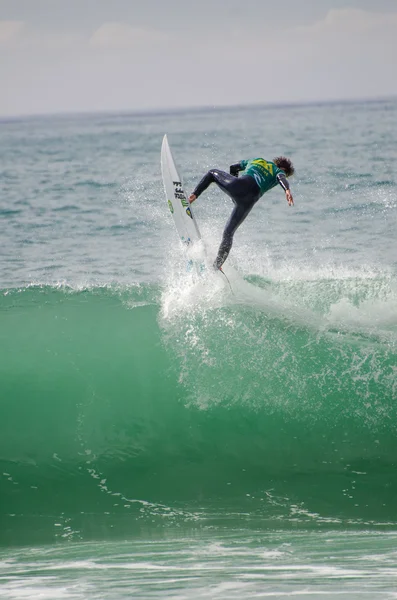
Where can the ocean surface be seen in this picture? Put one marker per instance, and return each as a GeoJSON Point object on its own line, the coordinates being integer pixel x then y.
{"type": "Point", "coordinates": [164, 435]}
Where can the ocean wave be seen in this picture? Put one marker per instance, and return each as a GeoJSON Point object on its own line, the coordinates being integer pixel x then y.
{"type": "Point", "coordinates": [249, 396]}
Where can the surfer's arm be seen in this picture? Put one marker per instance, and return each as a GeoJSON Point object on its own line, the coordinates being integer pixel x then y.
{"type": "Point", "coordinates": [236, 168]}
{"type": "Point", "coordinates": [283, 181]}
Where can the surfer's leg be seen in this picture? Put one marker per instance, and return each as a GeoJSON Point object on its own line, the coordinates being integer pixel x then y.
{"type": "Point", "coordinates": [236, 218]}
{"type": "Point", "coordinates": [221, 178]}
{"type": "Point", "coordinates": [244, 192]}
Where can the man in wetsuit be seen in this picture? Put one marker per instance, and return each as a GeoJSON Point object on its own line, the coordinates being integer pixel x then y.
{"type": "Point", "coordinates": [259, 177]}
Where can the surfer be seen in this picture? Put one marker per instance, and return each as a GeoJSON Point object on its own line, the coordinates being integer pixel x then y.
{"type": "Point", "coordinates": [260, 176]}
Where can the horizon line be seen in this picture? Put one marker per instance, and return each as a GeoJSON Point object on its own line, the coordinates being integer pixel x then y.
{"type": "Point", "coordinates": [194, 108]}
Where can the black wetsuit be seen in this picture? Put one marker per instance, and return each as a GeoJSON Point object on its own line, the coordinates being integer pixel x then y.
{"type": "Point", "coordinates": [244, 192]}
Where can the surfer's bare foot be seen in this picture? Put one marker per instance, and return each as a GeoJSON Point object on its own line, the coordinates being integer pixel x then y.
{"type": "Point", "coordinates": [192, 198]}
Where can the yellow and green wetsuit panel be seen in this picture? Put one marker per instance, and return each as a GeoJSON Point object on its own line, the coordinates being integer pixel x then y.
{"type": "Point", "coordinates": [263, 171]}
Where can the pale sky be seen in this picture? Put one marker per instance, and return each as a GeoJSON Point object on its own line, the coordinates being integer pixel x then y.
{"type": "Point", "coordinates": [125, 55]}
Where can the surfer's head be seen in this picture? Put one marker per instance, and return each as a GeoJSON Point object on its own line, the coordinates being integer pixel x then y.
{"type": "Point", "coordinates": [285, 165]}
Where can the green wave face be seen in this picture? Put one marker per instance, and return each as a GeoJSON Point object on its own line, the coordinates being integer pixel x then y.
{"type": "Point", "coordinates": [114, 415]}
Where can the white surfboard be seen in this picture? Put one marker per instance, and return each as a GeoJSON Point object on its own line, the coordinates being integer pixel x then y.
{"type": "Point", "coordinates": [182, 213]}
{"type": "Point", "coordinates": [178, 203]}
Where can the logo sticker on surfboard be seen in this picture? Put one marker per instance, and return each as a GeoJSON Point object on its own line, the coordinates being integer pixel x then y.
{"type": "Point", "coordinates": [180, 195]}
{"type": "Point", "coordinates": [178, 191]}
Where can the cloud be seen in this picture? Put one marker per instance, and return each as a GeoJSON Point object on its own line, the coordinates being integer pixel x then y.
{"type": "Point", "coordinates": [354, 47]}
{"type": "Point", "coordinates": [355, 20]}
{"type": "Point", "coordinates": [339, 35]}
{"type": "Point", "coordinates": [109, 36]}
{"type": "Point", "coordinates": [348, 53]}
{"type": "Point", "coordinates": [19, 36]}
{"type": "Point", "coordinates": [10, 31]}
{"type": "Point", "coordinates": [121, 36]}
{"type": "Point", "coordinates": [349, 22]}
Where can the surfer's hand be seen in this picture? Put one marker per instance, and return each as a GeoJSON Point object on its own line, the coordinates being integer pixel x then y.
{"type": "Point", "coordinates": [192, 198]}
{"type": "Point", "coordinates": [289, 197]}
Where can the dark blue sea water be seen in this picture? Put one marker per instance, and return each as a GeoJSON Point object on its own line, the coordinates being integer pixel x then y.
{"type": "Point", "coordinates": [162, 436]}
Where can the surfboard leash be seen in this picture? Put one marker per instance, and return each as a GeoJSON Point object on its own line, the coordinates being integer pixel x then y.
{"type": "Point", "coordinates": [227, 279]}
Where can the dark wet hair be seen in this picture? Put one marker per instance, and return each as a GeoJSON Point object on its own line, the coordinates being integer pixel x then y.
{"type": "Point", "coordinates": [285, 164]}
